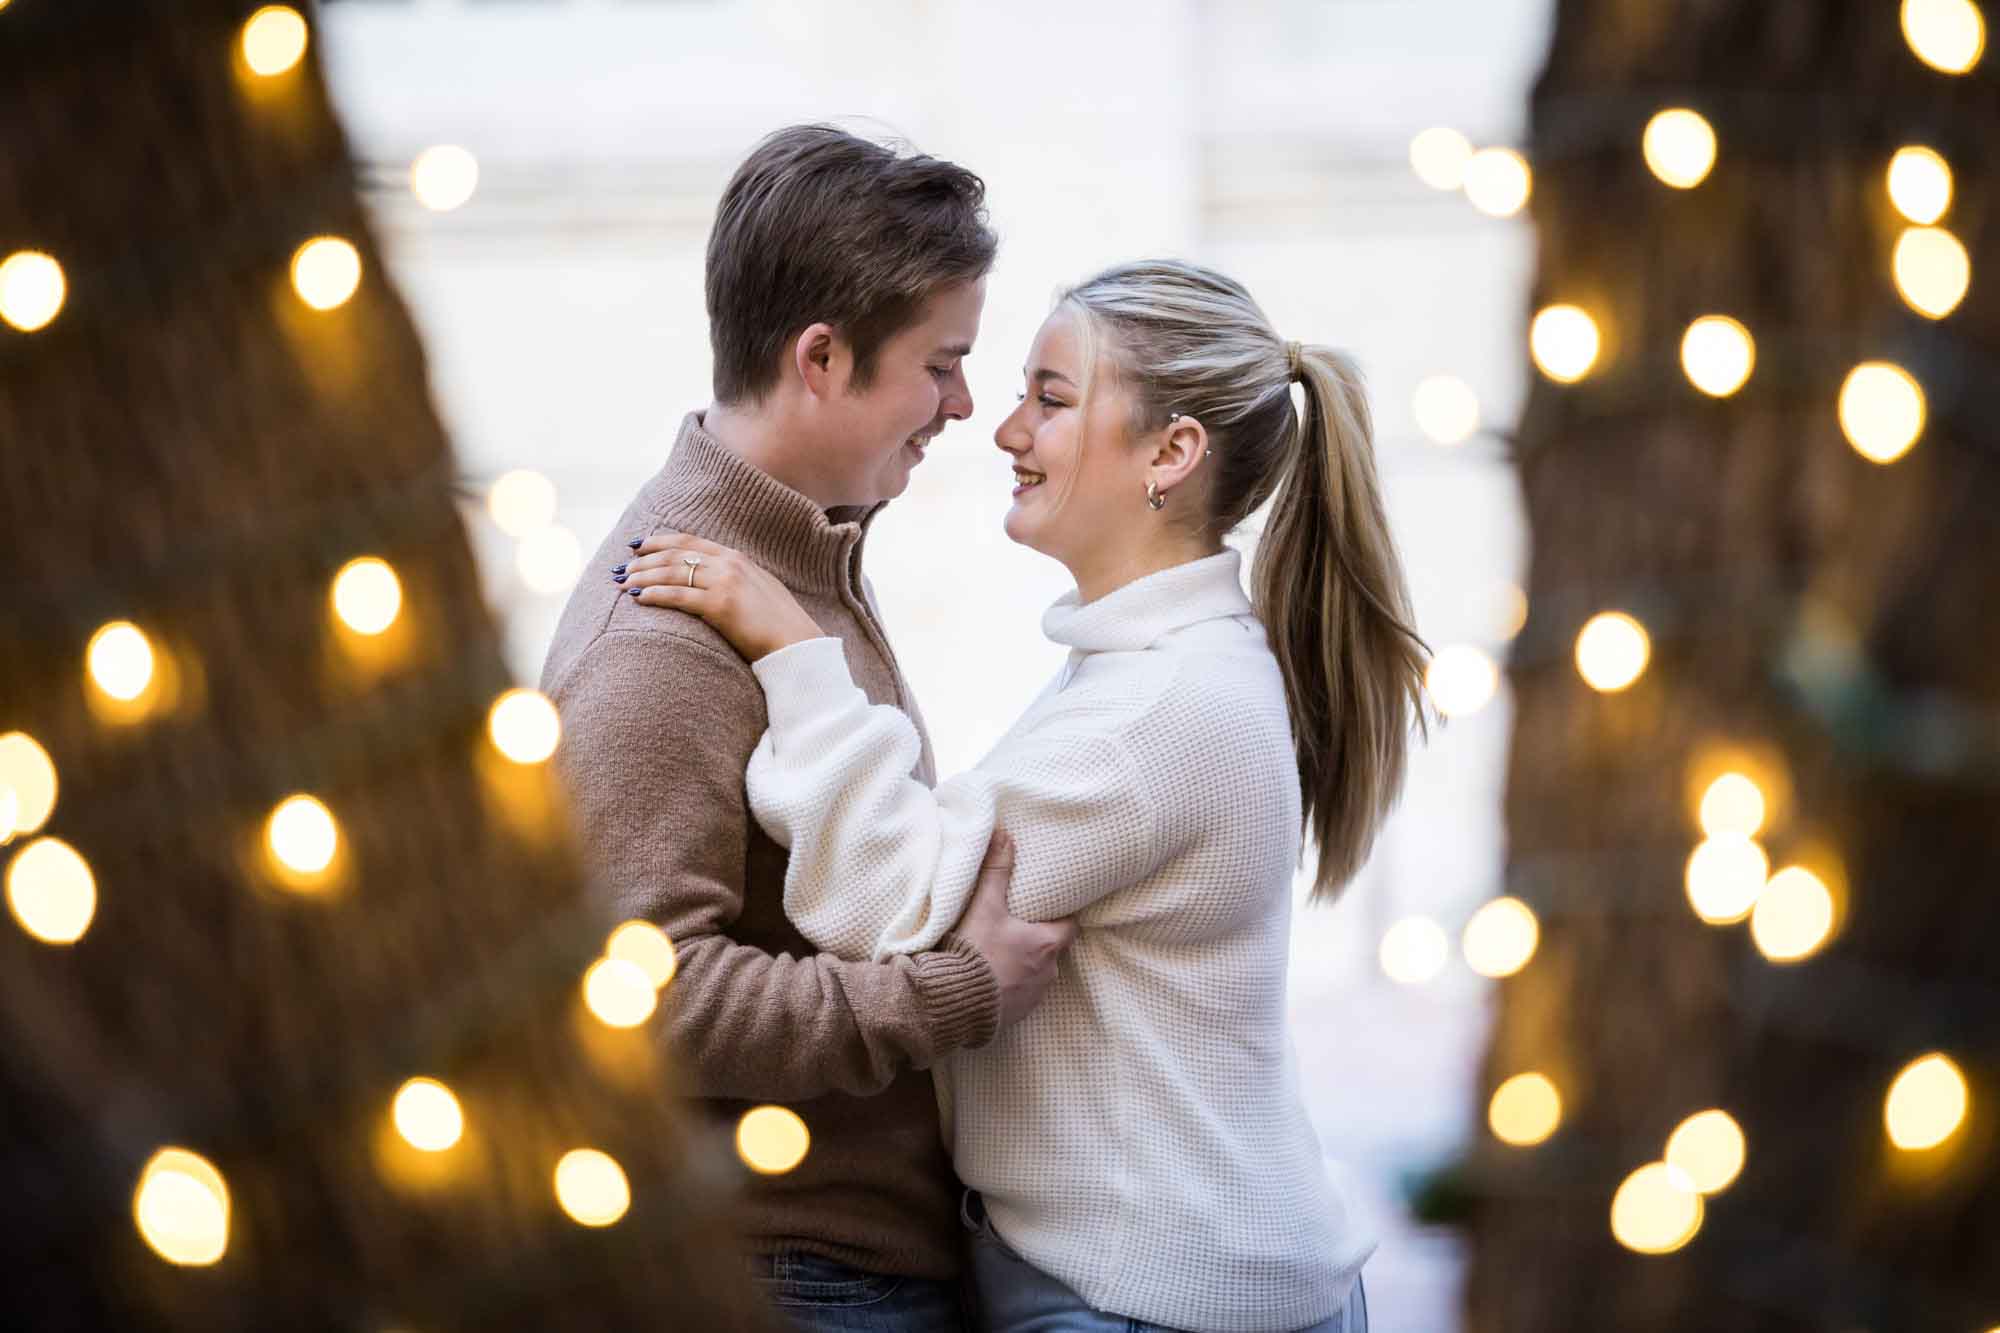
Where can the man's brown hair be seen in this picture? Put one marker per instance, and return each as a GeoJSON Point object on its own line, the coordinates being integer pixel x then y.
{"type": "Point", "coordinates": [818, 226]}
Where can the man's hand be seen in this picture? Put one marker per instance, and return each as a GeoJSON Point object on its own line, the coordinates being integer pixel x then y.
{"type": "Point", "coordinates": [1022, 954]}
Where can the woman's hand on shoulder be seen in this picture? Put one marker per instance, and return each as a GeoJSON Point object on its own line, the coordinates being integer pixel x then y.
{"type": "Point", "coordinates": [739, 598]}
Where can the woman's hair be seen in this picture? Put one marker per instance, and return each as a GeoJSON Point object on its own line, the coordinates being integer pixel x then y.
{"type": "Point", "coordinates": [1327, 581]}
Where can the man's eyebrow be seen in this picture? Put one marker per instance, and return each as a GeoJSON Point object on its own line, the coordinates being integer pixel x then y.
{"type": "Point", "coordinates": [954, 349]}
{"type": "Point", "coordinates": [1044, 373]}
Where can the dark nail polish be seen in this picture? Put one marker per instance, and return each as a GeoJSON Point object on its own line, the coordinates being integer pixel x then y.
{"type": "Point", "coordinates": [635, 542]}
{"type": "Point", "coordinates": [634, 591]}
{"type": "Point", "coordinates": [618, 569]}
{"type": "Point", "coordinates": [620, 578]}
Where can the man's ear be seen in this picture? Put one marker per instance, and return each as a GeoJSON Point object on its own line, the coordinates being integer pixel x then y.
{"type": "Point", "coordinates": [821, 358]}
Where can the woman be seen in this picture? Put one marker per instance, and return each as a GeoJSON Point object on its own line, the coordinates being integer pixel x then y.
{"type": "Point", "coordinates": [1136, 1149]}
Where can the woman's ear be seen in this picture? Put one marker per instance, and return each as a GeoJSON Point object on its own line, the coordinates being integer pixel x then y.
{"type": "Point", "coordinates": [1182, 448]}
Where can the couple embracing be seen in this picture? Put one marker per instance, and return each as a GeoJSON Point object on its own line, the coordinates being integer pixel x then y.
{"type": "Point", "coordinates": [1033, 1014]}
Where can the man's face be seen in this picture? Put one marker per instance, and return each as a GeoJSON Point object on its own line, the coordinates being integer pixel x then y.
{"type": "Point", "coordinates": [919, 384]}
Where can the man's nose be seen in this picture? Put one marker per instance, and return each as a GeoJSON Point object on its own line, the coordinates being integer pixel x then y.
{"type": "Point", "coordinates": [958, 403]}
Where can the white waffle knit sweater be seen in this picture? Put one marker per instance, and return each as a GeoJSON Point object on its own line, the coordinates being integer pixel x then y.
{"type": "Point", "coordinates": [1141, 1134]}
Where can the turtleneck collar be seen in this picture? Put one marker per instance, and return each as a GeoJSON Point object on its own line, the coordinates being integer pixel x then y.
{"type": "Point", "coordinates": [706, 490]}
{"type": "Point", "coordinates": [1139, 614]}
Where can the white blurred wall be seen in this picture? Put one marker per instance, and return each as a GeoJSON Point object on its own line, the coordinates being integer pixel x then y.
{"type": "Point", "coordinates": [562, 310]}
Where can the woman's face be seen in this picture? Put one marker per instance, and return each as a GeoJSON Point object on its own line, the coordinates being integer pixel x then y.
{"type": "Point", "coordinates": [1078, 503]}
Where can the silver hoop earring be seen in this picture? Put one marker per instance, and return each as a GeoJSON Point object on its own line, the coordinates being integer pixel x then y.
{"type": "Point", "coordinates": [1154, 498]}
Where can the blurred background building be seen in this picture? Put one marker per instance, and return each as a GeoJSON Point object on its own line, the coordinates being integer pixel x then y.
{"type": "Point", "coordinates": [561, 304]}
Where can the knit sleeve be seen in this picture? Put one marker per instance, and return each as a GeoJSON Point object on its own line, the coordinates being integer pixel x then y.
{"type": "Point", "coordinates": [883, 865]}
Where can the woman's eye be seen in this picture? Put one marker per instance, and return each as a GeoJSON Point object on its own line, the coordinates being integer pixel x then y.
{"type": "Point", "coordinates": [1052, 403]}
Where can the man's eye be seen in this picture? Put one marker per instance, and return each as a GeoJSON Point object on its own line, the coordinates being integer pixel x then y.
{"type": "Point", "coordinates": [941, 371]}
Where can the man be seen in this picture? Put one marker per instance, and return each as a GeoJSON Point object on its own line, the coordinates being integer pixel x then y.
{"type": "Point", "coordinates": [844, 285]}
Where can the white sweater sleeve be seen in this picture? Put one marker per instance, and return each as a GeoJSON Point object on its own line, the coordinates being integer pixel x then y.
{"type": "Point", "coordinates": [880, 863]}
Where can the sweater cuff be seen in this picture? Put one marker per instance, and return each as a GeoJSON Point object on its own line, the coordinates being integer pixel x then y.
{"type": "Point", "coordinates": [960, 993]}
{"type": "Point", "coordinates": [802, 680]}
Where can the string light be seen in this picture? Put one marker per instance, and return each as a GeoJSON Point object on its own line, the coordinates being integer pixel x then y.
{"type": "Point", "coordinates": [1725, 875]}
{"type": "Point", "coordinates": [618, 992]}
{"type": "Point", "coordinates": [1461, 680]}
{"type": "Point", "coordinates": [181, 1207]}
{"type": "Point", "coordinates": [28, 777]}
{"type": "Point", "coordinates": [427, 1115]}
{"type": "Point", "coordinates": [1446, 409]}
{"type": "Point", "coordinates": [524, 726]}
{"type": "Point", "coordinates": [302, 835]}
{"type": "Point", "coordinates": [1657, 1210]}
{"type": "Point", "coordinates": [1564, 342]}
{"type": "Point", "coordinates": [1793, 916]}
{"type": "Point", "coordinates": [326, 271]}
{"type": "Point", "coordinates": [1679, 147]}
{"type": "Point", "coordinates": [591, 1187]}
{"type": "Point", "coordinates": [1926, 1103]}
{"type": "Point", "coordinates": [522, 502]}
{"type": "Point", "coordinates": [1515, 602]}
{"type": "Point", "coordinates": [274, 39]}
{"type": "Point", "coordinates": [1498, 181]}
{"type": "Point", "coordinates": [32, 289]}
{"type": "Point", "coordinates": [1708, 1146]}
{"type": "Point", "coordinates": [548, 560]}
{"type": "Point", "coordinates": [1439, 156]}
{"type": "Point", "coordinates": [1612, 650]}
{"type": "Point", "coordinates": [1947, 35]}
{"type": "Point", "coordinates": [367, 596]}
{"type": "Point", "coordinates": [444, 177]}
{"type": "Point", "coordinates": [1718, 355]}
{"type": "Point", "coordinates": [1525, 1110]}
{"type": "Point", "coordinates": [1919, 184]}
{"type": "Point", "coordinates": [1414, 950]}
{"type": "Point", "coordinates": [1733, 803]}
{"type": "Point", "coordinates": [1501, 938]}
{"type": "Point", "coordinates": [1881, 410]}
{"type": "Point", "coordinates": [772, 1140]}
{"type": "Point", "coordinates": [646, 947]}
{"type": "Point", "coordinates": [51, 891]}
{"type": "Point", "coordinates": [120, 659]}
{"type": "Point", "coordinates": [1932, 270]}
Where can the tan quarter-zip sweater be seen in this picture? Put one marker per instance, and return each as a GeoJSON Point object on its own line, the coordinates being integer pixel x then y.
{"type": "Point", "coordinates": [660, 716]}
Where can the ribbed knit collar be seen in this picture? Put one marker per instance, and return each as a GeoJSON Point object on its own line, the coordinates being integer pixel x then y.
{"type": "Point", "coordinates": [706, 490]}
{"type": "Point", "coordinates": [1137, 615]}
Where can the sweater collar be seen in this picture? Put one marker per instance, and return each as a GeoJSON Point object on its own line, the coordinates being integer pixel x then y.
{"type": "Point", "coordinates": [1139, 614]}
{"type": "Point", "coordinates": [706, 490]}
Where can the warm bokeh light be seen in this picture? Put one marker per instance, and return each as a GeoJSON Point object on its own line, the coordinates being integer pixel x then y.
{"type": "Point", "coordinates": [32, 289]}
{"type": "Point", "coordinates": [1881, 410]}
{"type": "Point", "coordinates": [1461, 680]}
{"type": "Point", "coordinates": [1446, 409]}
{"type": "Point", "coordinates": [274, 38]}
{"type": "Point", "coordinates": [1498, 181]}
{"type": "Point", "coordinates": [28, 780]}
{"type": "Point", "coordinates": [427, 1115]}
{"type": "Point", "coordinates": [181, 1207]}
{"type": "Point", "coordinates": [1932, 270]}
{"type": "Point", "coordinates": [549, 560]}
{"type": "Point", "coordinates": [1525, 1110]}
{"type": "Point", "coordinates": [326, 271]}
{"type": "Point", "coordinates": [1947, 35]}
{"type": "Point", "coordinates": [772, 1140]}
{"type": "Point", "coordinates": [1733, 803]}
{"type": "Point", "coordinates": [1414, 950]}
{"type": "Point", "coordinates": [1612, 650]}
{"type": "Point", "coordinates": [524, 726]}
{"type": "Point", "coordinates": [302, 835]}
{"type": "Point", "coordinates": [51, 891]}
{"type": "Point", "coordinates": [1725, 875]}
{"type": "Point", "coordinates": [1500, 938]}
{"type": "Point", "coordinates": [619, 992]}
{"type": "Point", "coordinates": [444, 177]}
{"type": "Point", "coordinates": [591, 1187]}
{"type": "Point", "coordinates": [367, 596]}
{"type": "Point", "coordinates": [120, 659]}
{"type": "Point", "coordinates": [1438, 156]}
{"type": "Point", "coordinates": [1926, 1104]}
{"type": "Point", "coordinates": [1679, 147]}
{"type": "Point", "coordinates": [1514, 608]}
{"type": "Point", "coordinates": [1708, 1146]}
{"type": "Point", "coordinates": [1718, 355]}
{"type": "Point", "coordinates": [1564, 342]}
{"type": "Point", "coordinates": [646, 947]}
{"type": "Point", "coordinates": [521, 502]}
{"type": "Point", "coordinates": [1793, 917]}
{"type": "Point", "coordinates": [1657, 1210]}
{"type": "Point", "coordinates": [1920, 184]}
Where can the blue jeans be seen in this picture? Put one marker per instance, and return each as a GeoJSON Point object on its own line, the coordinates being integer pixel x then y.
{"type": "Point", "coordinates": [824, 1296]}
{"type": "Point", "coordinates": [1010, 1295]}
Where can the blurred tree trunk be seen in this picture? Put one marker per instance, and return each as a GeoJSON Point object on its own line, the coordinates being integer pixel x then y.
{"type": "Point", "coordinates": [1830, 616]}
{"type": "Point", "coordinates": [189, 447]}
